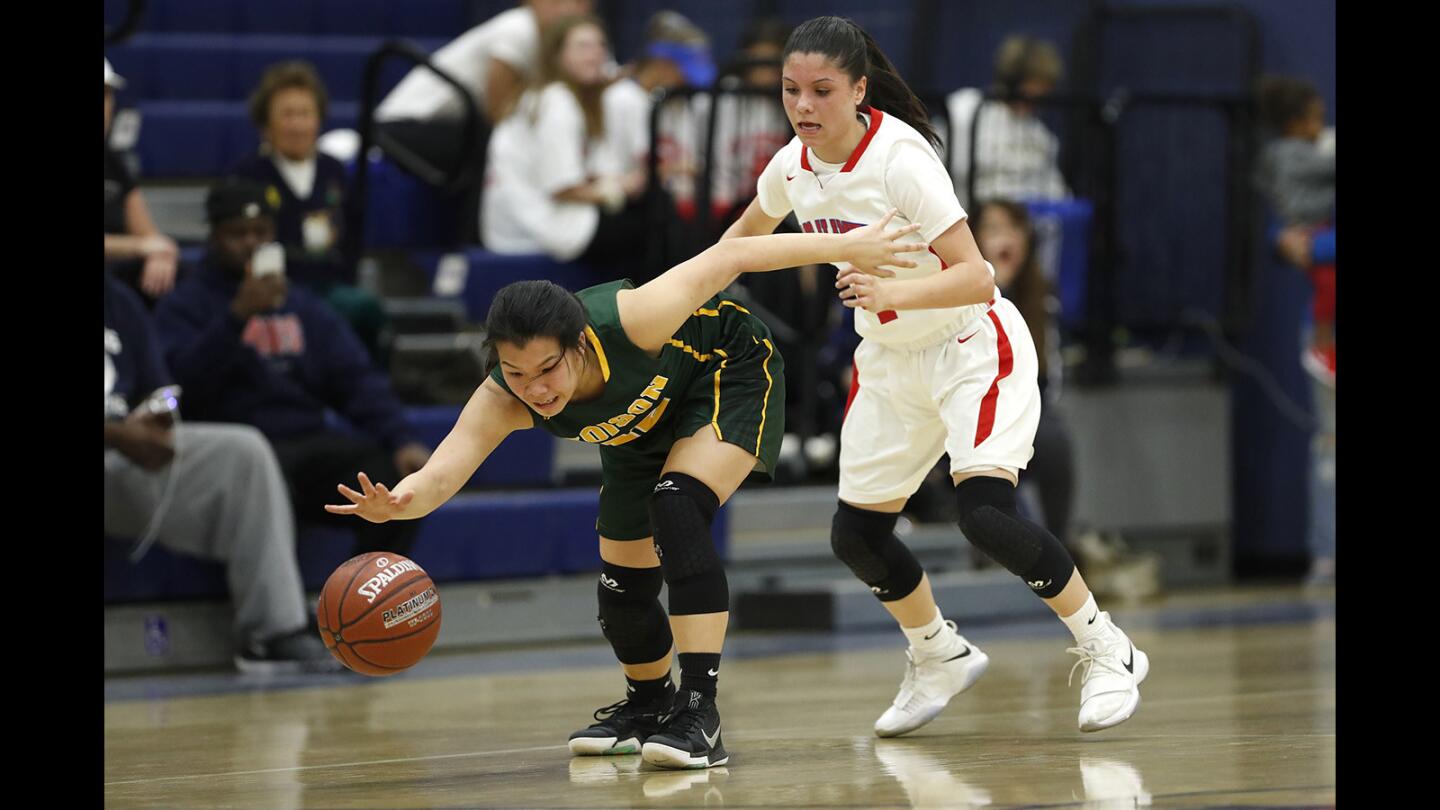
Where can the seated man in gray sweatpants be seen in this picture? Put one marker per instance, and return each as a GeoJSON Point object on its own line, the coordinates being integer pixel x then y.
{"type": "Point", "coordinates": [227, 499]}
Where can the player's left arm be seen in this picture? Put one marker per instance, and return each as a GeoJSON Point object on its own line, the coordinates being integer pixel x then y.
{"type": "Point", "coordinates": [917, 183]}
{"type": "Point", "coordinates": [652, 313]}
{"type": "Point", "coordinates": [965, 279]}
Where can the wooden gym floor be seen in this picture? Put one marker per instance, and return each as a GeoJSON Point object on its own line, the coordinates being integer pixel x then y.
{"type": "Point", "coordinates": [1238, 711]}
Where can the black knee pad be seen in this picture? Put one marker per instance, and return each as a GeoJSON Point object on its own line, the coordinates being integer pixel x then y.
{"type": "Point", "coordinates": [630, 614]}
{"type": "Point", "coordinates": [866, 542]}
{"type": "Point", "coordinates": [990, 521]}
{"type": "Point", "coordinates": [681, 509]}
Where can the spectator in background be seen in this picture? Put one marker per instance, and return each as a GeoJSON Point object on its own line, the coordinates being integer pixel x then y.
{"type": "Point", "coordinates": [1016, 156]}
{"type": "Point", "coordinates": [1297, 172]}
{"type": "Point", "coordinates": [251, 349]}
{"type": "Point", "coordinates": [494, 61]}
{"type": "Point", "coordinates": [306, 189]}
{"type": "Point", "coordinates": [551, 185]}
{"type": "Point", "coordinates": [749, 129]}
{"type": "Point", "coordinates": [1306, 247]}
{"type": "Point", "coordinates": [1006, 236]}
{"type": "Point", "coordinates": [212, 491]}
{"type": "Point", "coordinates": [135, 249]}
{"type": "Point", "coordinates": [676, 54]}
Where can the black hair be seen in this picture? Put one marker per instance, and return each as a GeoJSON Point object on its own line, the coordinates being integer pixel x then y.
{"type": "Point", "coordinates": [855, 52]}
{"type": "Point", "coordinates": [1284, 100]}
{"type": "Point", "coordinates": [526, 310]}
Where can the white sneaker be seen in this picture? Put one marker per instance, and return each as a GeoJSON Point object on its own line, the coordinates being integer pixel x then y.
{"type": "Point", "coordinates": [930, 681]}
{"type": "Point", "coordinates": [925, 779]}
{"type": "Point", "coordinates": [1110, 685]}
{"type": "Point", "coordinates": [1111, 784]}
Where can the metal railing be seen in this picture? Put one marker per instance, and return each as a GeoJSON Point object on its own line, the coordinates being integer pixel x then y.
{"type": "Point", "coordinates": [128, 26]}
{"type": "Point", "coordinates": [457, 177]}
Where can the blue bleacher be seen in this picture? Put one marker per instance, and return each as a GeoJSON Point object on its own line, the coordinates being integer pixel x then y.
{"type": "Point", "coordinates": [205, 138]}
{"type": "Point", "coordinates": [413, 18]}
{"type": "Point", "coordinates": [226, 67]}
{"type": "Point", "coordinates": [486, 272]}
{"type": "Point", "coordinates": [525, 458]}
{"type": "Point", "coordinates": [478, 536]}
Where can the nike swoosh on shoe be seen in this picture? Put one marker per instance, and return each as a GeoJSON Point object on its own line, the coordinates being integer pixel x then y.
{"type": "Point", "coordinates": [961, 655]}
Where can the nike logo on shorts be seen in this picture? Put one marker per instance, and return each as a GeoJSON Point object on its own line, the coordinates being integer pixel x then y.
{"type": "Point", "coordinates": [967, 337]}
{"type": "Point", "coordinates": [789, 177]}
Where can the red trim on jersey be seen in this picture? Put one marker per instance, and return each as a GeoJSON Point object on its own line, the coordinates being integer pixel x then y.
{"type": "Point", "coordinates": [854, 389]}
{"type": "Point", "coordinates": [875, 116]}
{"type": "Point", "coordinates": [992, 397]}
{"type": "Point", "coordinates": [943, 265]}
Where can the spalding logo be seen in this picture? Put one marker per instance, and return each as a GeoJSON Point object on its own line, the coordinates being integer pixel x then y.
{"type": "Point", "coordinates": [374, 585]}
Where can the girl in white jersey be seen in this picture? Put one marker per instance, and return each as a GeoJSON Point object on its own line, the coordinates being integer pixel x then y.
{"type": "Point", "coordinates": [945, 365]}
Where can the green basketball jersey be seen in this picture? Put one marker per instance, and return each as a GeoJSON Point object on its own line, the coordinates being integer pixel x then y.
{"type": "Point", "coordinates": [720, 372]}
{"type": "Point", "coordinates": [641, 391]}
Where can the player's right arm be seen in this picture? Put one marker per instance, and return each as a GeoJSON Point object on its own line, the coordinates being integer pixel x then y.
{"type": "Point", "coordinates": [754, 222]}
{"type": "Point", "coordinates": [489, 416]}
{"type": "Point", "coordinates": [771, 203]}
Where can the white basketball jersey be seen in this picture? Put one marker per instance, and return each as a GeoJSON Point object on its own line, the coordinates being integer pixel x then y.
{"type": "Point", "coordinates": [892, 167]}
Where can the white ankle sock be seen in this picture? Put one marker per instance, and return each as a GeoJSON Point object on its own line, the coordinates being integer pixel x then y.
{"type": "Point", "coordinates": [937, 640]}
{"type": "Point", "coordinates": [1079, 622]}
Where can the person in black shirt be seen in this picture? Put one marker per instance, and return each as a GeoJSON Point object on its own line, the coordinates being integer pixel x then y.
{"type": "Point", "coordinates": [134, 247]}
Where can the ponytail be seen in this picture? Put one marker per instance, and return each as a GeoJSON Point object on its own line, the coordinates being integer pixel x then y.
{"type": "Point", "coordinates": [856, 53]}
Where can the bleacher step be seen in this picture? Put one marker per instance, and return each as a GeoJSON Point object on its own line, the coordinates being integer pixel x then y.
{"type": "Point", "coordinates": [847, 604]}
{"type": "Point", "coordinates": [426, 316]}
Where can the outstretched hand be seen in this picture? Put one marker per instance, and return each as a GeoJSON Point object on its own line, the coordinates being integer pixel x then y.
{"type": "Point", "coordinates": [374, 502]}
{"type": "Point", "coordinates": [873, 246]}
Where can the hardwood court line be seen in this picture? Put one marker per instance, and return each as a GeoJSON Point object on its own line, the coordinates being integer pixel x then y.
{"type": "Point", "coordinates": [340, 765]}
{"type": "Point", "coordinates": [1181, 795]}
{"type": "Point", "coordinates": [767, 734]}
{"type": "Point", "coordinates": [825, 730]}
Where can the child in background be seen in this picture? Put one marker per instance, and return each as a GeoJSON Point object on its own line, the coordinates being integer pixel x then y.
{"type": "Point", "coordinates": [1298, 176]}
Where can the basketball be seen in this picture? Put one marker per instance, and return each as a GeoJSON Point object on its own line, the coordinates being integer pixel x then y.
{"type": "Point", "coordinates": [379, 613]}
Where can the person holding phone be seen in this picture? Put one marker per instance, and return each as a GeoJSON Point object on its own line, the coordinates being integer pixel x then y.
{"type": "Point", "coordinates": [203, 490]}
{"type": "Point", "coordinates": [249, 347]}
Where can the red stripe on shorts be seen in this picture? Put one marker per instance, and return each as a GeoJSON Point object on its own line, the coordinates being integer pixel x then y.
{"type": "Point", "coordinates": [1007, 363]}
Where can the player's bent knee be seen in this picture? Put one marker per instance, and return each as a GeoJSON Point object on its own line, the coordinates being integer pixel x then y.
{"type": "Point", "coordinates": [681, 509]}
{"type": "Point", "coordinates": [630, 614]}
{"type": "Point", "coordinates": [865, 541]}
{"type": "Point", "coordinates": [991, 522]}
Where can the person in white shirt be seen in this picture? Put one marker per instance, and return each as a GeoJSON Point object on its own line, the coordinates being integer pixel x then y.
{"type": "Point", "coordinates": [494, 61]}
{"type": "Point", "coordinates": [945, 364]}
{"type": "Point", "coordinates": [1015, 155]}
{"type": "Point", "coordinates": [676, 54]}
{"type": "Point", "coordinates": [551, 185]}
{"type": "Point", "coordinates": [748, 129]}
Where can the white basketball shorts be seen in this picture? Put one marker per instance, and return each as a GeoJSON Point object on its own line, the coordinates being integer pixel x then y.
{"type": "Point", "coordinates": [974, 395]}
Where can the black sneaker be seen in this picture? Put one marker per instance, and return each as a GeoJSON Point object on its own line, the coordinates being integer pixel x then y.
{"type": "Point", "coordinates": [620, 728]}
{"type": "Point", "coordinates": [293, 653]}
{"type": "Point", "coordinates": [689, 736]}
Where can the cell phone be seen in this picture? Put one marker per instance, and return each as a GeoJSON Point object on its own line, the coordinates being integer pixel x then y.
{"type": "Point", "coordinates": [162, 403]}
{"type": "Point", "coordinates": [269, 260]}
